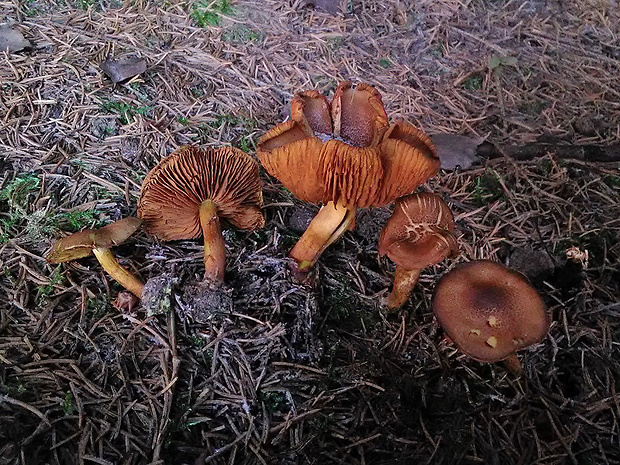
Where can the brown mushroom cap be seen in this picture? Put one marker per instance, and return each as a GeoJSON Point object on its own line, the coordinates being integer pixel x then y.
{"type": "Point", "coordinates": [419, 233]}
{"type": "Point", "coordinates": [173, 191]}
{"type": "Point", "coordinates": [489, 311]}
{"type": "Point", "coordinates": [81, 244]}
{"type": "Point", "coordinates": [345, 152]}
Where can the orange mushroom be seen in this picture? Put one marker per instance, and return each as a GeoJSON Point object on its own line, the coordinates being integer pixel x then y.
{"type": "Point", "coordinates": [188, 192]}
{"type": "Point", "coordinates": [98, 242]}
{"type": "Point", "coordinates": [420, 233]}
{"type": "Point", "coordinates": [490, 311]}
{"type": "Point", "coordinates": [343, 153]}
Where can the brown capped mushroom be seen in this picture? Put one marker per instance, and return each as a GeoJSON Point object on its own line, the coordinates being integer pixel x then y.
{"type": "Point", "coordinates": [420, 233]}
{"type": "Point", "coordinates": [188, 192]}
{"type": "Point", "coordinates": [98, 242]}
{"type": "Point", "coordinates": [490, 311]}
{"type": "Point", "coordinates": [343, 153]}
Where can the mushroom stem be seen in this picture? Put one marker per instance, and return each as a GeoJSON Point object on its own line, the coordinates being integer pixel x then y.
{"type": "Point", "coordinates": [330, 223]}
{"type": "Point", "coordinates": [215, 249]}
{"type": "Point", "coordinates": [513, 365]}
{"type": "Point", "coordinates": [123, 276]}
{"type": "Point", "coordinates": [404, 282]}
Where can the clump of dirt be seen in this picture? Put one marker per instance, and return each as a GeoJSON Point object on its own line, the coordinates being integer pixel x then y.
{"type": "Point", "coordinates": [205, 302]}
{"type": "Point", "coordinates": [533, 263]}
{"type": "Point", "coordinates": [157, 294]}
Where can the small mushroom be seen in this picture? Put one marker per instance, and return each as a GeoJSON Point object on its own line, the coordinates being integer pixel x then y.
{"type": "Point", "coordinates": [188, 192]}
{"type": "Point", "coordinates": [98, 242]}
{"type": "Point", "coordinates": [490, 311]}
{"type": "Point", "coordinates": [420, 233]}
{"type": "Point", "coordinates": [344, 154]}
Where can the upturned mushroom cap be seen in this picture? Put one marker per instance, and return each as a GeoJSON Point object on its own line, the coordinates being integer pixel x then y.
{"type": "Point", "coordinates": [489, 311]}
{"type": "Point", "coordinates": [419, 233]}
{"type": "Point", "coordinates": [409, 158]}
{"type": "Point", "coordinates": [81, 244]}
{"type": "Point", "coordinates": [173, 191]}
{"type": "Point", "coordinates": [345, 152]}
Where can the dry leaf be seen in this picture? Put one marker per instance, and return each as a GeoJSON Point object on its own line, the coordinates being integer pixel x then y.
{"type": "Point", "coordinates": [330, 6]}
{"type": "Point", "coordinates": [456, 151]}
{"type": "Point", "coordinates": [12, 39]}
{"type": "Point", "coordinates": [124, 67]}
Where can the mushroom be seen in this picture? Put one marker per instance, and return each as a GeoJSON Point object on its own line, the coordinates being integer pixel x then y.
{"type": "Point", "coordinates": [343, 153]}
{"type": "Point", "coordinates": [490, 311]}
{"type": "Point", "coordinates": [188, 192]}
{"type": "Point", "coordinates": [417, 235]}
{"type": "Point", "coordinates": [98, 242]}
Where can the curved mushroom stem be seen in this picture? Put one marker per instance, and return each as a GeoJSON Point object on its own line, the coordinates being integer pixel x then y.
{"type": "Point", "coordinates": [123, 276]}
{"type": "Point", "coordinates": [215, 249]}
{"type": "Point", "coordinates": [404, 282]}
{"type": "Point", "coordinates": [513, 365]}
{"type": "Point", "coordinates": [329, 224]}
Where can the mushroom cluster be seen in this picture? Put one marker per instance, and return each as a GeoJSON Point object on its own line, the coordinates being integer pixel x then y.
{"type": "Point", "coordinates": [343, 154]}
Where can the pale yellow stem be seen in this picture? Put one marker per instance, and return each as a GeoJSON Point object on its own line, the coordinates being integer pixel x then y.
{"type": "Point", "coordinates": [404, 282]}
{"type": "Point", "coordinates": [330, 223]}
{"type": "Point", "coordinates": [215, 249]}
{"type": "Point", "coordinates": [123, 276]}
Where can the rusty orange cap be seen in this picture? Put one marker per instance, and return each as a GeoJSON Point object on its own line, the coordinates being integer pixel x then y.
{"type": "Point", "coordinates": [173, 191]}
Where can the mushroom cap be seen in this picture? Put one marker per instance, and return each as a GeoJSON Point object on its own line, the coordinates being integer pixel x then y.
{"type": "Point", "coordinates": [344, 151]}
{"type": "Point", "coordinates": [172, 192]}
{"type": "Point", "coordinates": [489, 311]}
{"type": "Point", "coordinates": [419, 233]}
{"type": "Point", "coordinates": [81, 244]}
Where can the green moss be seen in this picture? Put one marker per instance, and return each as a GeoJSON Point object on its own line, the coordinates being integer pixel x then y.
{"type": "Point", "coordinates": [15, 197]}
{"type": "Point", "coordinates": [8, 225]}
{"type": "Point", "coordinates": [612, 181]}
{"type": "Point", "coordinates": [545, 166]}
{"type": "Point", "coordinates": [473, 83]}
{"type": "Point", "coordinates": [274, 401]}
{"type": "Point", "coordinates": [385, 63]}
{"type": "Point", "coordinates": [126, 112]}
{"type": "Point", "coordinates": [196, 340]}
{"type": "Point", "coordinates": [45, 291]}
{"type": "Point", "coordinates": [241, 34]}
{"type": "Point", "coordinates": [28, 8]}
{"type": "Point", "coordinates": [76, 220]}
{"type": "Point", "coordinates": [68, 404]}
{"type": "Point", "coordinates": [486, 188]}
{"type": "Point", "coordinates": [18, 191]}
{"type": "Point", "coordinates": [85, 4]}
{"type": "Point", "coordinates": [207, 13]}
{"type": "Point", "coordinates": [98, 306]}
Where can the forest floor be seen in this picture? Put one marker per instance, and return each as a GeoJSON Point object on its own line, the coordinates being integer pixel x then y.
{"type": "Point", "coordinates": [306, 374]}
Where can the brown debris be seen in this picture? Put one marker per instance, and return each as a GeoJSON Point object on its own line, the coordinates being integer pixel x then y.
{"type": "Point", "coordinates": [456, 151]}
{"type": "Point", "coordinates": [122, 68]}
{"type": "Point", "coordinates": [11, 39]}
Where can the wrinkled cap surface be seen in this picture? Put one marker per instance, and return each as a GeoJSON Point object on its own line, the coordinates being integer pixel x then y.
{"type": "Point", "coordinates": [419, 233]}
{"type": "Point", "coordinates": [489, 311]}
{"type": "Point", "coordinates": [173, 191]}
{"type": "Point", "coordinates": [344, 151]}
{"type": "Point", "coordinates": [81, 244]}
